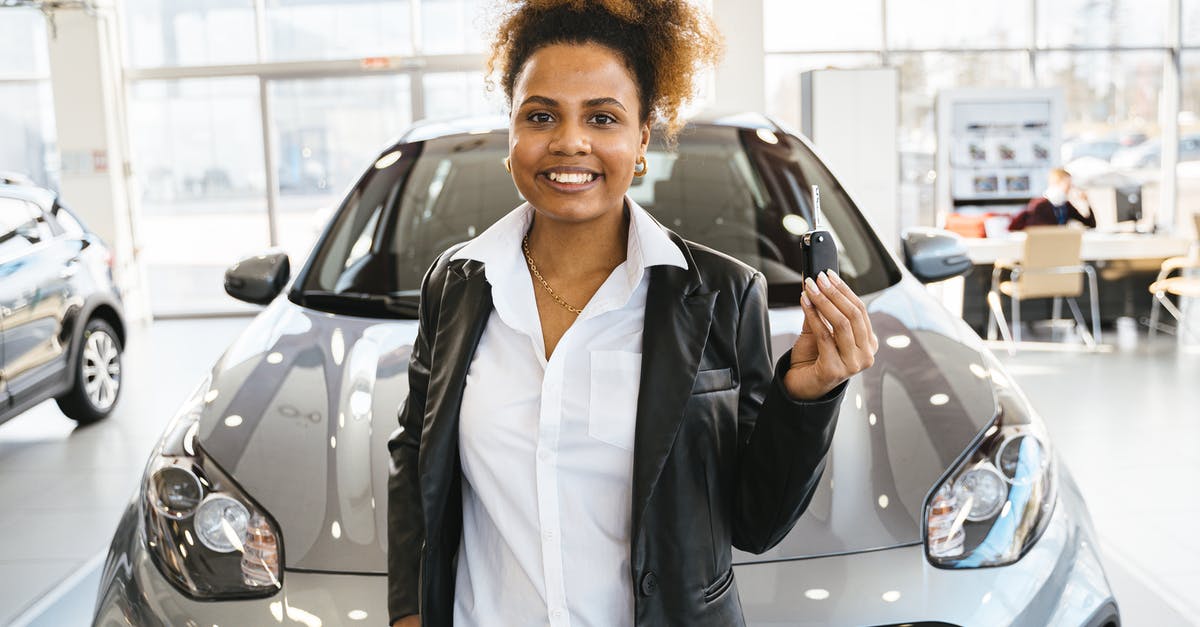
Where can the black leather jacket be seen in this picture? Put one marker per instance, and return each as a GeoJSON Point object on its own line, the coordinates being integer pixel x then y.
{"type": "Point", "coordinates": [722, 456]}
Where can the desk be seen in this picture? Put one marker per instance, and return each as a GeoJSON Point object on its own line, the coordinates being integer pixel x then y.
{"type": "Point", "coordinates": [1126, 262]}
{"type": "Point", "coordinates": [1097, 246]}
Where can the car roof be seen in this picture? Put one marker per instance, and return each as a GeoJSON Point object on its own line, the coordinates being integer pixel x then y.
{"type": "Point", "coordinates": [40, 196]}
{"type": "Point", "coordinates": [477, 125]}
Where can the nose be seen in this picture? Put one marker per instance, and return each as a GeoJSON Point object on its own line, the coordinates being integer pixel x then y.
{"type": "Point", "coordinates": [570, 138]}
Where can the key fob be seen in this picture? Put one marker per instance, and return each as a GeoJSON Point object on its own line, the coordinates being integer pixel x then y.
{"type": "Point", "coordinates": [818, 253]}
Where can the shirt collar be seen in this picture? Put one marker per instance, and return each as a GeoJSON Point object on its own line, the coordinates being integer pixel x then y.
{"type": "Point", "coordinates": [499, 249]}
{"type": "Point", "coordinates": [649, 245]}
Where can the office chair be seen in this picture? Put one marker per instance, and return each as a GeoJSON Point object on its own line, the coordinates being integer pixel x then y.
{"type": "Point", "coordinates": [1181, 286]}
{"type": "Point", "coordinates": [1050, 267]}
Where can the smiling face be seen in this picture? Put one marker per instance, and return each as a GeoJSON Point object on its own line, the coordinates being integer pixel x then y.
{"type": "Point", "coordinates": [575, 135]}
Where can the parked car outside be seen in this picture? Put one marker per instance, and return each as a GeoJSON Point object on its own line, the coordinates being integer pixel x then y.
{"type": "Point", "coordinates": [1148, 154]}
{"type": "Point", "coordinates": [62, 330]}
{"type": "Point", "coordinates": [943, 500]}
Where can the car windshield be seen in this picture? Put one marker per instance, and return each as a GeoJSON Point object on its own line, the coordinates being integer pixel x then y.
{"type": "Point", "coordinates": [744, 192]}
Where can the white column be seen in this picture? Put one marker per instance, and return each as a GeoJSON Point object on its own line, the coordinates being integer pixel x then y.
{"type": "Point", "coordinates": [740, 83]}
{"type": "Point", "coordinates": [85, 77]}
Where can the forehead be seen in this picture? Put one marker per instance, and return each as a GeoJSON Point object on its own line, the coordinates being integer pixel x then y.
{"type": "Point", "coordinates": [570, 72]}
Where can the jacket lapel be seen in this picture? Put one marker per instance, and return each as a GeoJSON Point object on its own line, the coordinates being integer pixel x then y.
{"type": "Point", "coordinates": [465, 306]}
{"type": "Point", "coordinates": [678, 315]}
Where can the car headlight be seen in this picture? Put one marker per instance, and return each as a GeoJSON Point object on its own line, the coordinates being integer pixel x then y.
{"type": "Point", "coordinates": [208, 538]}
{"type": "Point", "coordinates": [994, 504]}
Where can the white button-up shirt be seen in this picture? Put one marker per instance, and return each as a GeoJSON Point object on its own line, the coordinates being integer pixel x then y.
{"type": "Point", "coordinates": [547, 445]}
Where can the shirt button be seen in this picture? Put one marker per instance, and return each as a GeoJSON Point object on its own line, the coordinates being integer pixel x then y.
{"type": "Point", "coordinates": [548, 535]}
{"type": "Point", "coordinates": [557, 613]}
{"type": "Point", "coordinates": [649, 583]}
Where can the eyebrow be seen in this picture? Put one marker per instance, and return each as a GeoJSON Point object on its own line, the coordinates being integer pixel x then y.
{"type": "Point", "coordinates": [594, 102]}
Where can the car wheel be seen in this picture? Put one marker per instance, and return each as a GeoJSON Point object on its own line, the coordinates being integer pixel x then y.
{"type": "Point", "coordinates": [97, 375]}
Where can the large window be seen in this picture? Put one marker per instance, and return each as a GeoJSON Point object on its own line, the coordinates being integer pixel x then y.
{"type": "Point", "coordinates": [314, 88]}
{"type": "Point", "coordinates": [328, 131]}
{"type": "Point", "coordinates": [305, 30]}
{"type": "Point", "coordinates": [947, 24]}
{"type": "Point", "coordinates": [198, 157]}
{"type": "Point", "coordinates": [174, 33]}
{"type": "Point", "coordinates": [1109, 57]}
{"type": "Point", "coordinates": [27, 135]}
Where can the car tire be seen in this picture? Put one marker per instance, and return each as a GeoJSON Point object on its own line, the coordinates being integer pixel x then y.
{"type": "Point", "coordinates": [97, 375]}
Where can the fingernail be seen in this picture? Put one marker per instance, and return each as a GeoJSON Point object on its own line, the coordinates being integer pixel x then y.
{"type": "Point", "coordinates": [804, 299]}
{"type": "Point", "coordinates": [812, 285]}
{"type": "Point", "coordinates": [824, 280]}
{"type": "Point", "coordinates": [837, 278]}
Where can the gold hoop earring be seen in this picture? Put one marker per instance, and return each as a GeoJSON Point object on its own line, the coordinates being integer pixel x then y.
{"type": "Point", "coordinates": [508, 165]}
{"type": "Point", "coordinates": [641, 168]}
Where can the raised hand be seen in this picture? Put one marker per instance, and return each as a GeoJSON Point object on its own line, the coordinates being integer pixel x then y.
{"type": "Point", "coordinates": [836, 343]}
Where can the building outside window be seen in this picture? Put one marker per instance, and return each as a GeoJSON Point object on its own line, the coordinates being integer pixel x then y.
{"type": "Point", "coordinates": [1112, 59]}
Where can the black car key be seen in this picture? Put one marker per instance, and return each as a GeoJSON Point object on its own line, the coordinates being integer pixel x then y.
{"type": "Point", "coordinates": [817, 249]}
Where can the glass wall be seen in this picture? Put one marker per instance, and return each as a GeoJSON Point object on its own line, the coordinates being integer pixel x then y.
{"type": "Point", "coordinates": [1111, 58]}
{"type": "Point", "coordinates": [328, 130]}
{"type": "Point", "coordinates": [26, 109]}
{"type": "Point", "coordinates": [199, 167]}
{"type": "Point", "coordinates": [319, 86]}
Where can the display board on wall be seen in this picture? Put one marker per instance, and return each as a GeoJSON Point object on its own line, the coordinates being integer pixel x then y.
{"type": "Point", "coordinates": [995, 147]}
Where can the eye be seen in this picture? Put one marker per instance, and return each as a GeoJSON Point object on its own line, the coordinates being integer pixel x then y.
{"type": "Point", "coordinates": [537, 117]}
{"type": "Point", "coordinates": [604, 118]}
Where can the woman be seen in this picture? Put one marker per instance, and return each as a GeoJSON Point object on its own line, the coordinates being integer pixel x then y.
{"type": "Point", "coordinates": [593, 418]}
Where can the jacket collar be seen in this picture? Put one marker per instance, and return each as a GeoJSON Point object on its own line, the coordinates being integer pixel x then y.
{"type": "Point", "coordinates": [678, 315]}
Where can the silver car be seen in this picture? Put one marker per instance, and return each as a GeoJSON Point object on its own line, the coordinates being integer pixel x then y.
{"type": "Point", "coordinates": [943, 500]}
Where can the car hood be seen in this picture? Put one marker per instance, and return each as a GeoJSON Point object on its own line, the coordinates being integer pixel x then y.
{"type": "Point", "coordinates": [317, 396]}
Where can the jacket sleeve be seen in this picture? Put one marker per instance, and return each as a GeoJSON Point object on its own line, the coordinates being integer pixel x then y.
{"type": "Point", "coordinates": [406, 526]}
{"type": "Point", "coordinates": [781, 442]}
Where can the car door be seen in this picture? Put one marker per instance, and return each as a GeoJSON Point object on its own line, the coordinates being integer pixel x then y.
{"type": "Point", "coordinates": [33, 275]}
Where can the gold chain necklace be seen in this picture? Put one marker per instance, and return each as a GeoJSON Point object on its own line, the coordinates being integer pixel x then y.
{"type": "Point", "coordinates": [533, 268]}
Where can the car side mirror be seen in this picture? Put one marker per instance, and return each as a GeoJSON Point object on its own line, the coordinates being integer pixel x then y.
{"type": "Point", "coordinates": [258, 279]}
{"type": "Point", "coordinates": [934, 254]}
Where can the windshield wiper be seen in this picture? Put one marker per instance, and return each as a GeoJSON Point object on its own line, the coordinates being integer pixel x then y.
{"type": "Point", "coordinates": [360, 303]}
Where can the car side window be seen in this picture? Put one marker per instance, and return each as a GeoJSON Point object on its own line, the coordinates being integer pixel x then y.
{"type": "Point", "coordinates": [68, 222]}
{"type": "Point", "coordinates": [18, 228]}
{"type": "Point", "coordinates": [41, 226]}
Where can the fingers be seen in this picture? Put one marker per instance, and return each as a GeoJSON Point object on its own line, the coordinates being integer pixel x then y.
{"type": "Point", "coordinates": [817, 327]}
{"type": "Point", "coordinates": [869, 340]}
{"type": "Point", "coordinates": [846, 315]}
{"type": "Point", "coordinates": [842, 328]}
{"type": "Point", "coordinates": [849, 304]}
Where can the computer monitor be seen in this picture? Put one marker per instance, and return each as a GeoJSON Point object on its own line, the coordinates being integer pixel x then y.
{"type": "Point", "coordinates": [1129, 203]}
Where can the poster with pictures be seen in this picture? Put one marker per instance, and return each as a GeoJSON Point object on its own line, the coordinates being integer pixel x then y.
{"type": "Point", "coordinates": [1000, 144]}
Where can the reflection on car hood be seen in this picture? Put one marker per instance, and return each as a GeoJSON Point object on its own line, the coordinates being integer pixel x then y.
{"type": "Point", "coordinates": [317, 396]}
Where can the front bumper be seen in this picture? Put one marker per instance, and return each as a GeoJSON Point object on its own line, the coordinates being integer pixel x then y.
{"type": "Point", "coordinates": [1059, 582]}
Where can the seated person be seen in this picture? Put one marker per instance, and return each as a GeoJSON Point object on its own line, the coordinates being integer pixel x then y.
{"type": "Point", "coordinates": [1055, 206]}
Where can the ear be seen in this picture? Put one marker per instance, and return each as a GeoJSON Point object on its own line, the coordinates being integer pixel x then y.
{"type": "Point", "coordinates": [645, 139]}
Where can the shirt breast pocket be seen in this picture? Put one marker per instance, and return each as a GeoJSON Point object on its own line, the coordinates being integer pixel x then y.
{"type": "Point", "coordinates": [612, 401]}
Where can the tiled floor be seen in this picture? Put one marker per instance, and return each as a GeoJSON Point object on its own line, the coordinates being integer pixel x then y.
{"type": "Point", "coordinates": [63, 487]}
{"type": "Point", "coordinates": [1126, 423]}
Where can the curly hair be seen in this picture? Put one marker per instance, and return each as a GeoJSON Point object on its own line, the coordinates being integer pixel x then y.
{"type": "Point", "coordinates": [664, 44]}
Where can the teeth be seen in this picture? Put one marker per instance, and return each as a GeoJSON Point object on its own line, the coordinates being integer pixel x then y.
{"type": "Point", "coordinates": [572, 177]}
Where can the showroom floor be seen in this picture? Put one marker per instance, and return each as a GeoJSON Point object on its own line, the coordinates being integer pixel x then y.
{"type": "Point", "coordinates": [1121, 420]}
